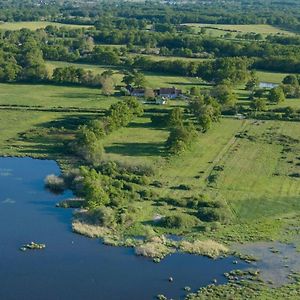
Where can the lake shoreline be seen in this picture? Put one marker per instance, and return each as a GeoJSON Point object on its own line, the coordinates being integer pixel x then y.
{"type": "Point", "coordinates": [168, 245]}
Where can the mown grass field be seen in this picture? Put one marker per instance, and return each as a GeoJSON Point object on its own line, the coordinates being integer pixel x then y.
{"type": "Point", "coordinates": [255, 28]}
{"type": "Point", "coordinates": [256, 180]}
{"type": "Point", "coordinates": [50, 96]}
{"type": "Point", "coordinates": [35, 25]}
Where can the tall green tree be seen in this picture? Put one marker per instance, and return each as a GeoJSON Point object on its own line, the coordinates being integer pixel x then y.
{"type": "Point", "coordinates": [276, 95]}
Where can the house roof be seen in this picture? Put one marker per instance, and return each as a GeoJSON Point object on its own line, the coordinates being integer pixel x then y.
{"type": "Point", "coordinates": [169, 91]}
{"type": "Point", "coordinates": [138, 91]}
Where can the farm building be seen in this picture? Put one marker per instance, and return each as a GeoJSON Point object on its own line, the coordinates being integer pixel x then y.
{"type": "Point", "coordinates": [169, 93]}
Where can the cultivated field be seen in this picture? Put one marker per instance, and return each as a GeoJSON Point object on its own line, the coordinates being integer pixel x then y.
{"type": "Point", "coordinates": [255, 28]}
{"type": "Point", "coordinates": [34, 25]}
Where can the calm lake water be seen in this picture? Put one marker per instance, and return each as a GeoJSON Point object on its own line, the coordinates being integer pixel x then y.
{"type": "Point", "coordinates": [72, 266]}
{"type": "Point", "coordinates": [267, 85]}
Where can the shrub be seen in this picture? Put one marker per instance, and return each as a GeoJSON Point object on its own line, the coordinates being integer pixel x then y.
{"type": "Point", "coordinates": [103, 216]}
{"type": "Point", "coordinates": [154, 248]}
{"type": "Point", "coordinates": [157, 184]}
{"type": "Point", "coordinates": [55, 183]}
{"type": "Point", "coordinates": [178, 221]}
{"type": "Point", "coordinates": [211, 214]}
{"type": "Point", "coordinates": [183, 187]}
{"type": "Point", "coordinates": [145, 194]}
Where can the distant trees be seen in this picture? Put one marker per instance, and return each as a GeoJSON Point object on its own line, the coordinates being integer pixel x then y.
{"type": "Point", "coordinates": [224, 94]}
{"type": "Point", "coordinates": [105, 56]}
{"type": "Point", "coordinates": [232, 69]}
{"type": "Point", "coordinates": [291, 86]}
{"type": "Point", "coordinates": [135, 79]}
{"type": "Point", "coordinates": [291, 79]}
{"type": "Point", "coordinates": [73, 75]}
{"type": "Point", "coordinates": [258, 104]}
{"type": "Point", "coordinates": [252, 83]}
{"type": "Point", "coordinates": [24, 63]}
{"type": "Point", "coordinates": [32, 62]}
{"type": "Point", "coordinates": [107, 83]}
{"type": "Point", "coordinates": [206, 111]}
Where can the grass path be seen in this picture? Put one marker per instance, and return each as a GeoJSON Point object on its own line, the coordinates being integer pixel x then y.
{"type": "Point", "coordinates": [220, 156]}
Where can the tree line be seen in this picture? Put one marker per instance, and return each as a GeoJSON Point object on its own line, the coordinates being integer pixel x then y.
{"type": "Point", "coordinates": [88, 139]}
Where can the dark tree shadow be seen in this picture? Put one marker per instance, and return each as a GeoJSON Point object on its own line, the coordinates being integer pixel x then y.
{"type": "Point", "coordinates": [137, 149]}
{"type": "Point", "coordinates": [76, 95]}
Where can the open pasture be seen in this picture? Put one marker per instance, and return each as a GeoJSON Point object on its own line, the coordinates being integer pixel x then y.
{"type": "Point", "coordinates": [50, 96]}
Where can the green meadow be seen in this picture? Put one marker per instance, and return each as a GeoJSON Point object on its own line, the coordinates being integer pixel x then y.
{"type": "Point", "coordinates": [50, 96]}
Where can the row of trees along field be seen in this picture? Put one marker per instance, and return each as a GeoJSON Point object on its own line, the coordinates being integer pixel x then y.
{"type": "Point", "coordinates": [136, 15]}
{"type": "Point", "coordinates": [81, 48]}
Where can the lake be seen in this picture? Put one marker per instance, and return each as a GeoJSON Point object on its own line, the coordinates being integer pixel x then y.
{"type": "Point", "coordinates": [72, 266]}
{"type": "Point", "coordinates": [268, 85]}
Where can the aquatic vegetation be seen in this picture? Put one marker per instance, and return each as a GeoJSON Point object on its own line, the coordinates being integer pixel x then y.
{"type": "Point", "coordinates": [33, 246]}
{"type": "Point", "coordinates": [155, 248]}
{"type": "Point", "coordinates": [208, 248]}
{"type": "Point", "coordinates": [55, 183]}
{"type": "Point", "coordinates": [93, 231]}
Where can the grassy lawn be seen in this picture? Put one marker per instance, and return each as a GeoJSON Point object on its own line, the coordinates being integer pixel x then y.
{"type": "Point", "coordinates": [35, 25]}
{"type": "Point", "coordinates": [155, 80]}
